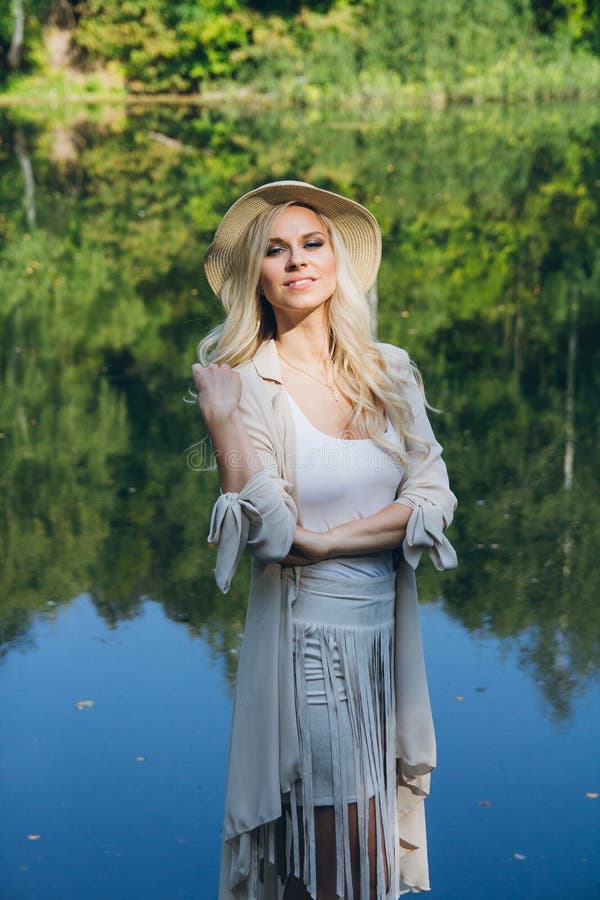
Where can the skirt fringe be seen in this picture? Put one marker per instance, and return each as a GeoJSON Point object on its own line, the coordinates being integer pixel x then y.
{"type": "Point", "coordinates": [343, 642]}
{"type": "Point", "coordinates": [340, 678]}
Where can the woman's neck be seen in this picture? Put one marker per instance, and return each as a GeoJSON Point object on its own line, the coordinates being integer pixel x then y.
{"type": "Point", "coordinates": [305, 343]}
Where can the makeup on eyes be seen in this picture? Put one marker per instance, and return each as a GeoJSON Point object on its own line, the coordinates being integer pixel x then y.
{"type": "Point", "coordinates": [316, 238]}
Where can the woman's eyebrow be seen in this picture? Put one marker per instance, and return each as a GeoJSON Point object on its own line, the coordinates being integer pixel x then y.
{"type": "Point", "coordinates": [277, 240]}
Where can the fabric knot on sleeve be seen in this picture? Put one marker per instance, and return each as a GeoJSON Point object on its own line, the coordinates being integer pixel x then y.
{"type": "Point", "coordinates": [229, 530]}
{"type": "Point", "coordinates": [425, 531]}
{"type": "Point", "coordinates": [262, 516]}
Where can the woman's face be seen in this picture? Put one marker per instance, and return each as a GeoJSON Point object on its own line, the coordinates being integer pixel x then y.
{"type": "Point", "coordinates": [298, 272]}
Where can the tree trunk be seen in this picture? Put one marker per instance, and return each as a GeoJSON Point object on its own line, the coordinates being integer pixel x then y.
{"type": "Point", "coordinates": [569, 457]}
{"type": "Point", "coordinates": [16, 44]}
{"type": "Point", "coordinates": [25, 163]}
{"type": "Point", "coordinates": [570, 397]}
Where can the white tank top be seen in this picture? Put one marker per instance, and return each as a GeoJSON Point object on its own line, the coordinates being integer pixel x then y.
{"type": "Point", "coordinates": [339, 480]}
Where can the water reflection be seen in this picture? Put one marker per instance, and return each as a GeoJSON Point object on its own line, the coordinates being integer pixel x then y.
{"type": "Point", "coordinates": [112, 759]}
{"type": "Point", "coordinates": [491, 279]}
{"type": "Point", "coordinates": [112, 765]}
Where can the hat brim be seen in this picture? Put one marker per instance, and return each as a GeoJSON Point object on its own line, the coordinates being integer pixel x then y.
{"type": "Point", "coordinates": [357, 226]}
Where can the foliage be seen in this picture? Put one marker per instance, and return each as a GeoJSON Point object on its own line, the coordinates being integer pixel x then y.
{"type": "Point", "coordinates": [439, 39]}
{"type": "Point", "coordinates": [35, 13]}
{"type": "Point", "coordinates": [164, 47]}
{"type": "Point", "coordinates": [580, 19]}
{"type": "Point", "coordinates": [458, 49]}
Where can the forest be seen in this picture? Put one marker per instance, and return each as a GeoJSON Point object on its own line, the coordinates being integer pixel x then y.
{"type": "Point", "coordinates": [354, 51]}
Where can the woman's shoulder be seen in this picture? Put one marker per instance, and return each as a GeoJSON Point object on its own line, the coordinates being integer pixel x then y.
{"type": "Point", "coordinates": [260, 376]}
{"type": "Point", "coordinates": [394, 357]}
{"type": "Point", "coordinates": [251, 381]}
{"type": "Point", "coordinates": [263, 366]}
{"type": "Point", "coordinates": [244, 369]}
{"type": "Point", "coordinates": [402, 370]}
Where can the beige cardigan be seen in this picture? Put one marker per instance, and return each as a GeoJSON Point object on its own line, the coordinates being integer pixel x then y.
{"type": "Point", "coordinates": [264, 751]}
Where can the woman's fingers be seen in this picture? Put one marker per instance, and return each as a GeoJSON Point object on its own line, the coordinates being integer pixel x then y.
{"type": "Point", "coordinates": [308, 547]}
{"type": "Point", "coordinates": [213, 376]}
{"type": "Point", "coordinates": [218, 388]}
{"type": "Point", "coordinates": [293, 560]}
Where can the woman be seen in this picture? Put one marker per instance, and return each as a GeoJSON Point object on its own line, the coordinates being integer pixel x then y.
{"type": "Point", "coordinates": [328, 468]}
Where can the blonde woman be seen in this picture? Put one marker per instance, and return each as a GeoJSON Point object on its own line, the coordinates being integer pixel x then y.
{"type": "Point", "coordinates": [332, 478]}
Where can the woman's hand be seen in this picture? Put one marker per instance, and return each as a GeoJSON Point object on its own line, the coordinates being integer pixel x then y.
{"type": "Point", "coordinates": [308, 547]}
{"type": "Point", "coordinates": [218, 389]}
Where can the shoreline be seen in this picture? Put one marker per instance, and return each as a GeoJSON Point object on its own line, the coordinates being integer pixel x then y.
{"type": "Point", "coordinates": [410, 97]}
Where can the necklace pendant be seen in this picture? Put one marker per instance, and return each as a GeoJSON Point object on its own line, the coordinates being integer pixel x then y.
{"type": "Point", "coordinates": [336, 396]}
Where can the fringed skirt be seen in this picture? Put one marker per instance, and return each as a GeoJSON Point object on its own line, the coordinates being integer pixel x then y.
{"type": "Point", "coordinates": [343, 639]}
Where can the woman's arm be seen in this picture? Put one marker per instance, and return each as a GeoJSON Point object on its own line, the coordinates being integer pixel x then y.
{"type": "Point", "coordinates": [219, 390]}
{"type": "Point", "coordinates": [424, 505]}
{"type": "Point", "coordinates": [384, 530]}
{"type": "Point", "coordinates": [255, 509]}
{"type": "Point", "coordinates": [425, 482]}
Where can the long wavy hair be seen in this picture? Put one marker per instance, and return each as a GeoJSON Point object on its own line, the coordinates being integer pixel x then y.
{"type": "Point", "coordinates": [358, 365]}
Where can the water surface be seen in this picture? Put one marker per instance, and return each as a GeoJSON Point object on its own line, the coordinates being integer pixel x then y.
{"type": "Point", "coordinates": [126, 795]}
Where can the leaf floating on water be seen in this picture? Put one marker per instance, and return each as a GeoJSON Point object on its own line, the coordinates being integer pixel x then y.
{"type": "Point", "coordinates": [519, 856]}
{"type": "Point", "coordinates": [84, 704]}
{"type": "Point", "coordinates": [459, 699]}
{"type": "Point", "coordinates": [485, 802]}
{"type": "Point", "coordinates": [592, 795]}
{"type": "Point", "coordinates": [33, 837]}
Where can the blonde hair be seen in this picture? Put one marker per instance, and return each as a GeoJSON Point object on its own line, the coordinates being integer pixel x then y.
{"type": "Point", "coordinates": [359, 367]}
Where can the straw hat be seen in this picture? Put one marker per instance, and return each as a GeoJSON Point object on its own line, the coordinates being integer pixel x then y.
{"type": "Point", "coordinates": [357, 226]}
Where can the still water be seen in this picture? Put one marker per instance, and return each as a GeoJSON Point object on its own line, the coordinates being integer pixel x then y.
{"type": "Point", "coordinates": [491, 279]}
{"type": "Point", "coordinates": [126, 795]}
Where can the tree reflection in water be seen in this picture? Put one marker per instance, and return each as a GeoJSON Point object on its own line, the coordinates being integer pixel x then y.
{"type": "Point", "coordinates": [490, 279]}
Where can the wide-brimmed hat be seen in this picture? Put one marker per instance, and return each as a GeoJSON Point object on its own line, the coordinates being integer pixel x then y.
{"type": "Point", "coordinates": [357, 226]}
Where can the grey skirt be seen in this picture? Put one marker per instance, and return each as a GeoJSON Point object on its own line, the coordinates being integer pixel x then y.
{"type": "Point", "coordinates": [343, 643]}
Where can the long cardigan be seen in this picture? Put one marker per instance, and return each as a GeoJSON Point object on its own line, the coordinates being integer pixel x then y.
{"type": "Point", "coordinates": [264, 757]}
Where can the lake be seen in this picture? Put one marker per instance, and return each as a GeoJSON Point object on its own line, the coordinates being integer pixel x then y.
{"type": "Point", "coordinates": [118, 654]}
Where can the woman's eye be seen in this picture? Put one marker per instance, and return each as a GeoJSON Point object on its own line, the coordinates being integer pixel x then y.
{"type": "Point", "coordinates": [275, 250]}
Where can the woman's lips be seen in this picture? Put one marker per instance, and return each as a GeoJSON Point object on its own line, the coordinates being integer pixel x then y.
{"type": "Point", "coordinates": [299, 283]}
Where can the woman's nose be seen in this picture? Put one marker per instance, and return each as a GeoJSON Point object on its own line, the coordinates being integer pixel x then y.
{"type": "Point", "coordinates": [296, 258]}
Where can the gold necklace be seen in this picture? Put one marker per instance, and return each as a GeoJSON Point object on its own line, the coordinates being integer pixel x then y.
{"type": "Point", "coordinates": [331, 386]}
